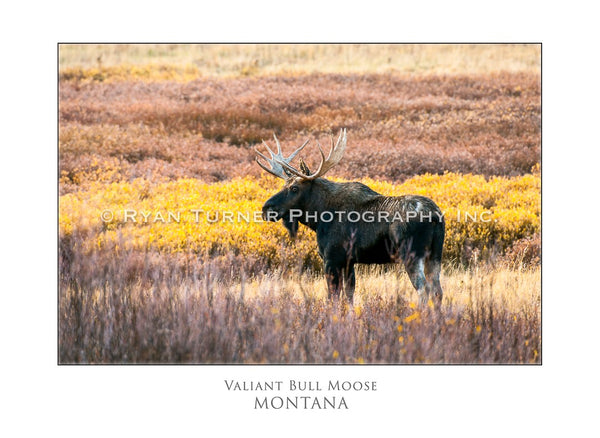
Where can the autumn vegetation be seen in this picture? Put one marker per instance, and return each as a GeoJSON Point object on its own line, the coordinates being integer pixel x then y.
{"type": "Point", "coordinates": [179, 136]}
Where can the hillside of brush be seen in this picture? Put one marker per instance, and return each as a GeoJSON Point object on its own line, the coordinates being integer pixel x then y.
{"type": "Point", "coordinates": [398, 126]}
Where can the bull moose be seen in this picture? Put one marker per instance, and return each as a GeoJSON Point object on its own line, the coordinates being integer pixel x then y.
{"type": "Point", "coordinates": [355, 224]}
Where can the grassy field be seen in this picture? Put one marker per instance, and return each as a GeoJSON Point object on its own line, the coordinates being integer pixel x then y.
{"type": "Point", "coordinates": [154, 129]}
{"type": "Point", "coordinates": [148, 308]}
{"type": "Point", "coordinates": [185, 62]}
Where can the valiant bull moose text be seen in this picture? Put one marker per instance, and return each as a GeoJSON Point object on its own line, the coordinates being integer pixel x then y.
{"type": "Point", "coordinates": [342, 243]}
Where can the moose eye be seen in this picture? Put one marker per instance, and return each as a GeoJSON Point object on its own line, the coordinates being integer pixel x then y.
{"type": "Point", "coordinates": [295, 189]}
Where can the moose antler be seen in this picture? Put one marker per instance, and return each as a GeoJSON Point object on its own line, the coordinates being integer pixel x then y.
{"type": "Point", "coordinates": [280, 166]}
{"type": "Point", "coordinates": [335, 156]}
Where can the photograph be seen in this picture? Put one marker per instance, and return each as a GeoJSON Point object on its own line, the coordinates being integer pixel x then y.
{"type": "Point", "coordinates": [299, 204]}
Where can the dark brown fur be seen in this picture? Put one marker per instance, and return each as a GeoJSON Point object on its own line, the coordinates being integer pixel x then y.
{"type": "Point", "coordinates": [342, 243]}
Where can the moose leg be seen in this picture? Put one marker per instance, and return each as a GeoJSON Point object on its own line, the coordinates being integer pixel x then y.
{"type": "Point", "coordinates": [432, 274]}
{"type": "Point", "coordinates": [416, 272]}
{"type": "Point", "coordinates": [332, 274]}
{"type": "Point", "coordinates": [350, 282]}
{"type": "Point", "coordinates": [433, 264]}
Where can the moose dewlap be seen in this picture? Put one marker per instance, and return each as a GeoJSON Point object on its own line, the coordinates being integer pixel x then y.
{"type": "Point", "coordinates": [359, 225]}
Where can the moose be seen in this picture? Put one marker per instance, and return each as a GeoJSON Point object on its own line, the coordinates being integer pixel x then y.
{"type": "Point", "coordinates": [355, 224]}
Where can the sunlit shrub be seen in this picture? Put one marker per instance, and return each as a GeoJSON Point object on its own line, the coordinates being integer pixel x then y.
{"type": "Point", "coordinates": [149, 72]}
{"type": "Point", "coordinates": [188, 215]}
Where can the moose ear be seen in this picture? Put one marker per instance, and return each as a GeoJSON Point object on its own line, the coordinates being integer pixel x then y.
{"type": "Point", "coordinates": [291, 225]}
{"type": "Point", "coordinates": [304, 168]}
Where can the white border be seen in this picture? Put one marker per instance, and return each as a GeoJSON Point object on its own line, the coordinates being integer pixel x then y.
{"type": "Point", "coordinates": [428, 401]}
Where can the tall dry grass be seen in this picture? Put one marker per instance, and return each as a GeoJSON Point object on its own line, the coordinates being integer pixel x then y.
{"type": "Point", "coordinates": [148, 308]}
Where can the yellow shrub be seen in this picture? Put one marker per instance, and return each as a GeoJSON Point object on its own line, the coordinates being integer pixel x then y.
{"type": "Point", "coordinates": [123, 72]}
{"type": "Point", "coordinates": [188, 215]}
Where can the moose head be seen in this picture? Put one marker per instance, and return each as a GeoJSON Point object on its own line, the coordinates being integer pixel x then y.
{"type": "Point", "coordinates": [297, 193]}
